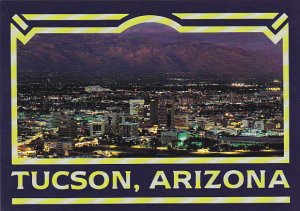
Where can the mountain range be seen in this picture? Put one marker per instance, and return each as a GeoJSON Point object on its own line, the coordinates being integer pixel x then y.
{"type": "Point", "coordinates": [153, 48]}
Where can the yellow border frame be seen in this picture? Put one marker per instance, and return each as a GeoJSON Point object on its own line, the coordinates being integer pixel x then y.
{"type": "Point", "coordinates": [283, 35]}
{"type": "Point", "coordinates": [156, 200]}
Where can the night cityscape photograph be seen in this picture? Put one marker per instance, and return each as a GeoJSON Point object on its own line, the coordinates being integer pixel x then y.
{"type": "Point", "coordinates": [150, 92]}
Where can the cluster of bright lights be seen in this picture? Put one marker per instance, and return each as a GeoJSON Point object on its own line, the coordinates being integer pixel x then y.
{"type": "Point", "coordinates": [240, 85]}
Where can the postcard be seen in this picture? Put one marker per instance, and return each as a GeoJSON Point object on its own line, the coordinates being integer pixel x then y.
{"type": "Point", "coordinates": [156, 105]}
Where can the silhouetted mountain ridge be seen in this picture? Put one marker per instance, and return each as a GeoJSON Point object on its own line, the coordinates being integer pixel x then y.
{"type": "Point", "coordinates": [114, 53]}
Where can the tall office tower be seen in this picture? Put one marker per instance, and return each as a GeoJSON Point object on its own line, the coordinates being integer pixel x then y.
{"type": "Point", "coordinates": [145, 120]}
{"type": "Point", "coordinates": [128, 129]}
{"type": "Point", "coordinates": [154, 112]}
{"type": "Point", "coordinates": [97, 128]}
{"type": "Point", "coordinates": [136, 107]}
{"type": "Point", "coordinates": [111, 123]}
{"type": "Point", "coordinates": [67, 128]}
{"type": "Point", "coordinates": [166, 114]}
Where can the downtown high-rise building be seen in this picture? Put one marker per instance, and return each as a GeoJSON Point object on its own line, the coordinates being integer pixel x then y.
{"type": "Point", "coordinates": [136, 107]}
{"type": "Point", "coordinates": [97, 128]}
{"type": "Point", "coordinates": [111, 123]}
{"type": "Point", "coordinates": [128, 129]}
{"type": "Point", "coordinates": [154, 112]}
{"type": "Point", "coordinates": [67, 128]}
{"type": "Point", "coordinates": [166, 114]}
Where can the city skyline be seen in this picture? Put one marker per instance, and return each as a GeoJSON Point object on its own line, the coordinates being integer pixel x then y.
{"type": "Point", "coordinates": [150, 92]}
